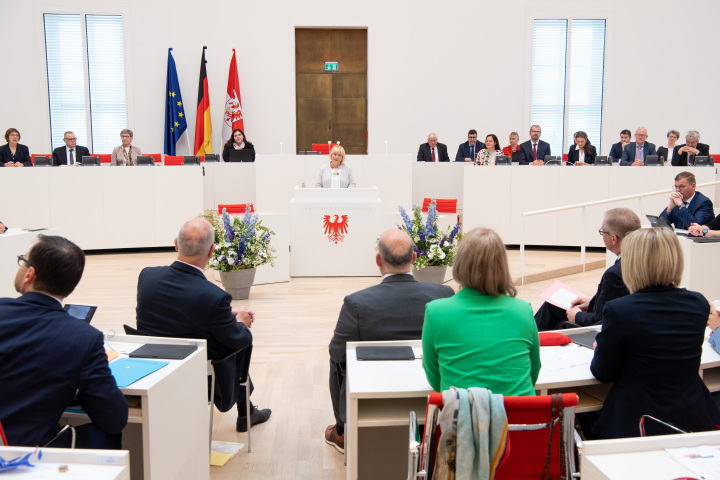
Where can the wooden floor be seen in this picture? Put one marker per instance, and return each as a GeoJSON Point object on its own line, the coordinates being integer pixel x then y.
{"type": "Point", "coordinates": [294, 324]}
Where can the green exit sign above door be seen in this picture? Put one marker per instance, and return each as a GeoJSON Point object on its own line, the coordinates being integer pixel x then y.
{"type": "Point", "coordinates": [331, 66]}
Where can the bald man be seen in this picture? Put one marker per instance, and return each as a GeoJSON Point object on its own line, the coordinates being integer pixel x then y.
{"type": "Point", "coordinates": [178, 301]}
{"type": "Point", "coordinates": [392, 310]}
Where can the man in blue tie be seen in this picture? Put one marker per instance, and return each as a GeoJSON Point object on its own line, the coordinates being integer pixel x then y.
{"type": "Point", "coordinates": [467, 151]}
{"type": "Point", "coordinates": [636, 152]}
{"type": "Point", "coordinates": [686, 205]}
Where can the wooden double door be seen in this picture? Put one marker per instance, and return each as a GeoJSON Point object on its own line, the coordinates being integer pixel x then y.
{"type": "Point", "coordinates": [331, 105]}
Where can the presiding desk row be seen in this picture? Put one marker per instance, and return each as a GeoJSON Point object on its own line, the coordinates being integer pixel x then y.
{"type": "Point", "coordinates": [382, 393]}
{"type": "Point", "coordinates": [143, 207]}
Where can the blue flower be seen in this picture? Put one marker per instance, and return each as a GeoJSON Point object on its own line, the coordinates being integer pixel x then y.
{"type": "Point", "coordinates": [406, 219]}
{"type": "Point", "coordinates": [454, 232]}
{"type": "Point", "coordinates": [229, 232]}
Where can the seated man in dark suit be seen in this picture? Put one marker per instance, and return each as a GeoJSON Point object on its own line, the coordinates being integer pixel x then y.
{"type": "Point", "coordinates": [685, 154]}
{"type": "Point", "coordinates": [467, 151]}
{"type": "Point", "coordinates": [71, 153]}
{"type": "Point", "coordinates": [392, 310]}
{"type": "Point", "coordinates": [51, 359]}
{"type": "Point", "coordinates": [432, 151]}
{"type": "Point", "coordinates": [636, 152]}
{"type": "Point", "coordinates": [178, 301]}
{"type": "Point", "coordinates": [617, 148]}
{"type": "Point", "coordinates": [585, 311]}
{"type": "Point", "coordinates": [534, 150]}
{"type": "Point", "coordinates": [686, 205]}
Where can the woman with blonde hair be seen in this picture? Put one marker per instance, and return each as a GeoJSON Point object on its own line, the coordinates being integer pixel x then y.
{"type": "Point", "coordinates": [335, 174]}
{"type": "Point", "coordinates": [651, 343]}
{"type": "Point", "coordinates": [482, 336]}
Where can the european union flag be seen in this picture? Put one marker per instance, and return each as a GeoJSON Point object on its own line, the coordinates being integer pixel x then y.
{"type": "Point", "coordinates": [175, 123]}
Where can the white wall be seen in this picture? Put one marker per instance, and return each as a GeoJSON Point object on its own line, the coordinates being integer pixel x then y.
{"type": "Point", "coordinates": [432, 66]}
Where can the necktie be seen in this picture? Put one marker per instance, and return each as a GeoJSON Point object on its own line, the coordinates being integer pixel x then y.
{"type": "Point", "coordinates": [685, 204]}
{"type": "Point", "coordinates": [691, 159]}
{"type": "Point", "coordinates": [72, 158]}
{"type": "Point", "coordinates": [534, 151]}
{"type": "Point", "coordinates": [472, 151]}
{"type": "Point", "coordinates": [433, 154]}
{"type": "Point", "coordinates": [638, 155]}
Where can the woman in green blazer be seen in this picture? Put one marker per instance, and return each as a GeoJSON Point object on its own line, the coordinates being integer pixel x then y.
{"type": "Point", "coordinates": [482, 336]}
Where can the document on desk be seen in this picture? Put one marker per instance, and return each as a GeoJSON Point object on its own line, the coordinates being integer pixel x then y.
{"type": "Point", "coordinates": [560, 295]}
{"type": "Point", "coordinates": [560, 358]}
{"type": "Point", "coordinates": [129, 370]}
{"type": "Point", "coordinates": [703, 460]}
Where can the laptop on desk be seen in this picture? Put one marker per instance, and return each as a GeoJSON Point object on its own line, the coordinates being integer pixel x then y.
{"type": "Point", "coordinates": [240, 155]}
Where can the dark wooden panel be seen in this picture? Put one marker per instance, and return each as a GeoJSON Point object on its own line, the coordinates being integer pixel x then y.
{"type": "Point", "coordinates": [312, 132]}
{"type": "Point", "coordinates": [349, 48]}
{"type": "Point", "coordinates": [312, 50]}
{"type": "Point", "coordinates": [314, 109]}
{"type": "Point", "coordinates": [349, 110]}
{"type": "Point", "coordinates": [350, 135]}
{"type": "Point", "coordinates": [349, 85]}
{"type": "Point", "coordinates": [317, 85]}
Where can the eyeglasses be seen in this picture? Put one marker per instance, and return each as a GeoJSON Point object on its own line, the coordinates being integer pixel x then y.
{"type": "Point", "coordinates": [71, 139]}
{"type": "Point", "coordinates": [603, 232]}
{"type": "Point", "coordinates": [21, 258]}
{"type": "Point", "coordinates": [680, 187]}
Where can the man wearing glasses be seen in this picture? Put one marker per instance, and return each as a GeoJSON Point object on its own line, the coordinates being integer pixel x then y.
{"type": "Point", "coordinates": [585, 311]}
{"type": "Point", "coordinates": [636, 152]}
{"type": "Point", "coordinates": [686, 205]}
{"type": "Point", "coordinates": [534, 150]}
{"type": "Point", "coordinates": [51, 359]}
{"type": "Point", "coordinates": [467, 151]}
{"type": "Point", "coordinates": [71, 153]}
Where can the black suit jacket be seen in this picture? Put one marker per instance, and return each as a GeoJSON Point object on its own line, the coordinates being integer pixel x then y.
{"type": "Point", "coordinates": [574, 155]}
{"type": "Point", "coordinates": [178, 301]}
{"type": "Point", "coordinates": [616, 151]}
{"type": "Point", "coordinates": [22, 154]}
{"type": "Point", "coordinates": [681, 159]}
{"type": "Point", "coordinates": [60, 155]}
{"type": "Point", "coordinates": [47, 357]}
{"type": "Point", "coordinates": [424, 154]}
{"type": "Point", "coordinates": [392, 310]}
{"type": "Point", "coordinates": [464, 151]}
{"type": "Point", "coordinates": [650, 346]}
{"type": "Point", "coordinates": [611, 287]}
{"type": "Point", "coordinates": [526, 151]}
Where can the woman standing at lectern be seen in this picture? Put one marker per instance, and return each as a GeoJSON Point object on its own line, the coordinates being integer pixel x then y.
{"type": "Point", "coordinates": [335, 174]}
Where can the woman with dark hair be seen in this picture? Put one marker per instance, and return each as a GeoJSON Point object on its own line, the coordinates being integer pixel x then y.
{"type": "Point", "coordinates": [12, 154]}
{"type": "Point", "coordinates": [582, 153]}
{"type": "Point", "coordinates": [487, 155]}
{"type": "Point", "coordinates": [238, 142]}
{"type": "Point", "coordinates": [482, 336]}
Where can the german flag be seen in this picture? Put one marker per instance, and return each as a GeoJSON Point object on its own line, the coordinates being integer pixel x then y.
{"type": "Point", "coordinates": [203, 125]}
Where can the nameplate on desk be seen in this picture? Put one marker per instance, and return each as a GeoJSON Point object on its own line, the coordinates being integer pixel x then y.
{"type": "Point", "coordinates": [385, 353]}
{"type": "Point", "coordinates": [162, 350]}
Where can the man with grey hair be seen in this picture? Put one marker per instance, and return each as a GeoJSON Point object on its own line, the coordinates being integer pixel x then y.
{"type": "Point", "coordinates": [585, 311]}
{"type": "Point", "coordinates": [71, 153]}
{"type": "Point", "coordinates": [392, 310]}
{"type": "Point", "coordinates": [179, 301]}
{"type": "Point", "coordinates": [636, 152]}
{"type": "Point", "coordinates": [684, 155]}
{"type": "Point", "coordinates": [432, 151]}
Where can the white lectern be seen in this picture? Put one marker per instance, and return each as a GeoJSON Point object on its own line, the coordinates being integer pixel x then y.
{"type": "Point", "coordinates": [333, 232]}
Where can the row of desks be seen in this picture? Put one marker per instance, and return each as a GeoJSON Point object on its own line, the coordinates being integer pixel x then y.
{"type": "Point", "coordinates": [382, 393]}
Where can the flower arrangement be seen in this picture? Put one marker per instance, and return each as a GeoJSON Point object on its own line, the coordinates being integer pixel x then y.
{"type": "Point", "coordinates": [433, 247]}
{"type": "Point", "coordinates": [240, 243]}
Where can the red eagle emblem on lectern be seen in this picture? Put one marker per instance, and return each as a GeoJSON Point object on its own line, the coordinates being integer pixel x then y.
{"type": "Point", "coordinates": [336, 229]}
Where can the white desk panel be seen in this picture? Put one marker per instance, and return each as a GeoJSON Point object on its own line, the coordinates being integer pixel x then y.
{"type": "Point", "coordinates": [25, 196]}
{"type": "Point", "coordinates": [177, 198]}
{"type": "Point", "coordinates": [88, 464]}
{"type": "Point", "coordinates": [392, 175]}
{"type": "Point", "coordinates": [276, 178]}
{"type": "Point", "coordinates": [438, 180]}
{"type": "Point", "coordinates": [129, 207]}
{"type": "Point", "coordinates": [232, 183]}
{"type": "Point", "coordinates": [482, 186]}
{"type": "Point", "coordinates": [77, 202]}
{"type": "Point", "coordinates": [280, 224]}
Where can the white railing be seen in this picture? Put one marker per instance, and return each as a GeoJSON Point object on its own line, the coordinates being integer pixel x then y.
{"type": "Point", "coordinates": [638, 196]}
